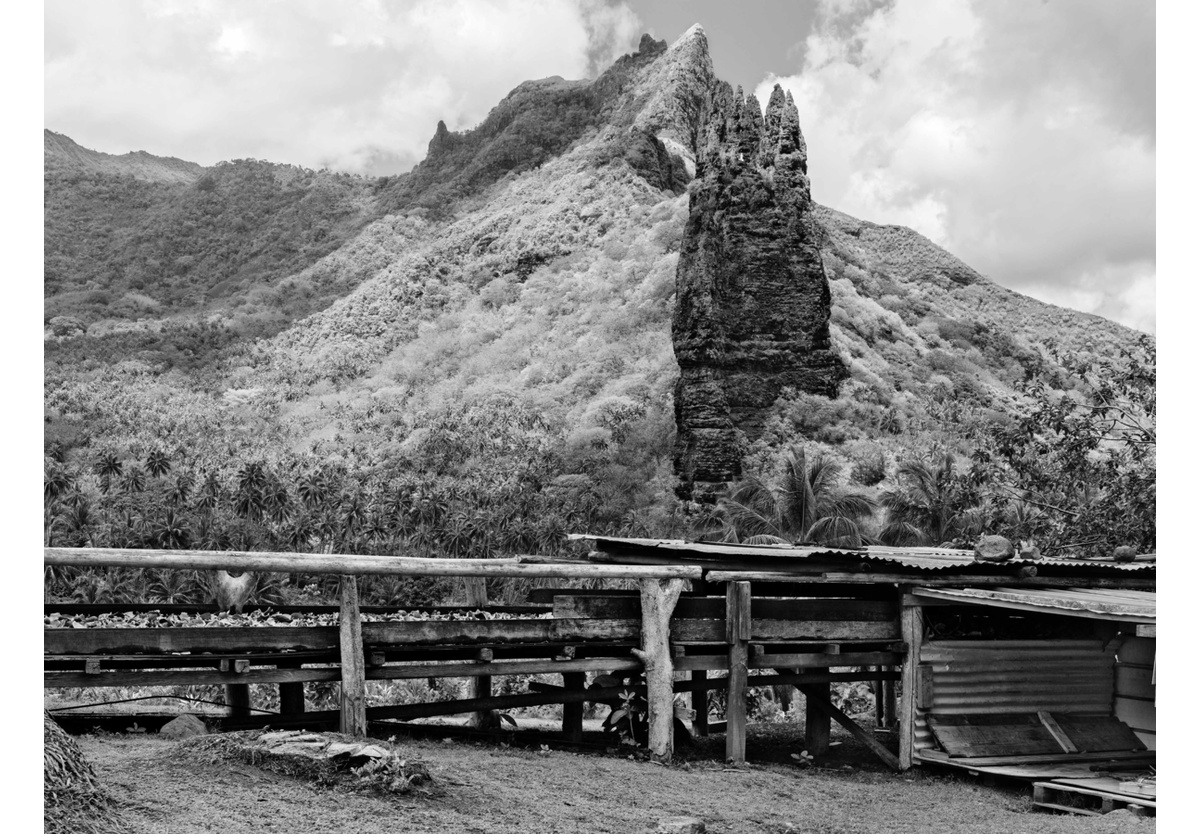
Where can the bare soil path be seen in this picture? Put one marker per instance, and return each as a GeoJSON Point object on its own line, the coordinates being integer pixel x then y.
{"type": "Point", "coordinates": [499, 790]}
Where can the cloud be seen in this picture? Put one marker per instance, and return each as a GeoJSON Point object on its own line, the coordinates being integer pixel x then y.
{"type": "Point", "coordinates": [355, 86]}
{"type": "Point", "coordinates": [1020, 136]}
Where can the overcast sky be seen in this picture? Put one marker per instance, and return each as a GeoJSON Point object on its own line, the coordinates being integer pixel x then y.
{"type": "Point", "coordinates": [1020, 134]}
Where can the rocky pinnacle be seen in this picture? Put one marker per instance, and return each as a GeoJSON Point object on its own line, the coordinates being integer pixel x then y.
{"type": "Point", "coordinates": [752, 299]}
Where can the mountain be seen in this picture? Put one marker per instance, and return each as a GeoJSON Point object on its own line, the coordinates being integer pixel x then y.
{"type": "Point", "coordinates": [488, 337]}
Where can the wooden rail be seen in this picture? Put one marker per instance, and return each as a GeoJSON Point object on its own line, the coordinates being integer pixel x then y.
{"type": "Point", "coordinates": [353, 565]}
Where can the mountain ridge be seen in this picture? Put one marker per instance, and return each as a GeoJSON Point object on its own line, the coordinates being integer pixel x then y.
{"type": "Point", "coordinates": [519, 284]}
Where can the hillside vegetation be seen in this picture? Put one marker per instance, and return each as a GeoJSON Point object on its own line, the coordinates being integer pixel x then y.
{"type": "Point", "coordinates": [475, 358]}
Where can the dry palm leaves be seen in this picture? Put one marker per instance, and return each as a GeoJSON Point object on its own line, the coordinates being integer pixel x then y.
{"type": "Point", "coordinates": [73, 798]}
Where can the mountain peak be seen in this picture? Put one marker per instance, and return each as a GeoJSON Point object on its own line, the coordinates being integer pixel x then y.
{"type": "Point", "coordinates": [63, 154]}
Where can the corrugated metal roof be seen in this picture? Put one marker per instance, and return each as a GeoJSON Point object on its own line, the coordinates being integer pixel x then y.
{"type": "Point", "coordinates": [1094, 603]}
{"type": "Point", "coordinates": [919, 558]}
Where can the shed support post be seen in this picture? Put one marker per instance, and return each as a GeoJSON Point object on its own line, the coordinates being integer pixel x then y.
{"type": "Point", "coordinates": [816, 720]}
{"type": "Point", "coordinates": [658, 603]}
{"type": "Point", "coordinates": [911, 632]}
{"type": "Point", "coordinates": [481, 686]}
{"type": "Point", "coordinates": [237, 699]}
{"type": "Point", "coordinates": [700, 703]}
{"type": "Point", "coordinates": [291, 698]}
{"type": "Point", "coordinates": [353, 720]}
{"type": "Point", "coordinates": [737, 635]}
{"type": "Point", "coordinates": [572, 720]}
{"type": "Point", "coordinates": [889, 703]}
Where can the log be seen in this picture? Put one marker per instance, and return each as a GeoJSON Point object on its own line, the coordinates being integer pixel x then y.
{"type": "Point", "coordinates": [737, 635]}
{"type": "Point", "coordinates": [912, 631]}
{"type": "Point", "coordinates": [351, 565]}
{"type": "Point", "coordinates": [658, 599]}
{"type": "Point", "coordinates": [480, 686]}
{"type": "Point", "coordinates": [353, 721]}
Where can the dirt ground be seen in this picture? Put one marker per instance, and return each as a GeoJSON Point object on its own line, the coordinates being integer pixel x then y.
{"type": "Point", "coordinates": [494, 789]}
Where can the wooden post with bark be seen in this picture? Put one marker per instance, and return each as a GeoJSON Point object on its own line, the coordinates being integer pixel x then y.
{"type": "Point", "coordinates": [658, 603]}
{"type": "Point", "coordinates": [481, 686]}
{"type": "Point", "coordinates": [816, 720]}
{"type": "Point", "coordinates": [737, 635]}
{"type": "Point", "coordinates": [911, 632]}
{"type": "Point", "coordinates": [353, 720]}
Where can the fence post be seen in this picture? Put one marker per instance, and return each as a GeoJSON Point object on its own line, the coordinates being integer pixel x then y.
{"type": "Point", "coordinates": [911, 632]}
{"type": "Point", "coordinates": [481, 686]}
{"type": "Point", "coordinates": [658, 603]}
{"type": "Point", "coordinates": [737, 635]}
{"type": "Point", "coordinates": [353, 720]}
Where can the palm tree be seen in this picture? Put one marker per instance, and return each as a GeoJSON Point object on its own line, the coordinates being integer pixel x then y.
{"type": "Point", "coordinates": [157, 463]}
{"type": "Point", "coordinates": [807, 504]}
{"type": "Point", "coordinates": [930, 504]}
{"type": "Point", "coordinates": [107, 466]}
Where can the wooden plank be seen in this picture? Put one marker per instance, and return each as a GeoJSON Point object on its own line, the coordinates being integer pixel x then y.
{"type": "Point", "coordinates": [1147, 630]}
{"type": "Point", "coordinates": [822, 660]}
{"type": "Point", "coordinates": [609, 606]}
{"type": "Point", "coordinates": [814, 630]}
{"type": "Point", "coordinates": [992, 735]}
{"type": "Point", "coordinates": [1056, 731]}
{"type": "Point", "coordinates": [350, 564]}
{"type": "Point", "coordinates": [867, 739]}
{"type": "Point", "coordinates": [1098, 733]}
{"type": "Point", "coordinates": [353, 720]}
{"type": "Point", "coordinates": [737, 635]}
{"type": "Point", "coordinates": [1051, 758]}
{"type": "Point", "coordinates": [923, 696]}
{"type": "Point", "coordinates": [184, 677]}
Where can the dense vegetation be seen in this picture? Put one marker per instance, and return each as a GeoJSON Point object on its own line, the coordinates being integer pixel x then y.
{"type": "Point", "coordinates": [259, 358]}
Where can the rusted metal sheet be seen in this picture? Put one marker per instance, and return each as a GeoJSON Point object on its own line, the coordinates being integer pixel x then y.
{"type": "Point", "coordinates": [1055, 676]}
{"type": "Point", "coordinates": [1093, 603]}
{"type": "Point", "coordinates": [920, 558]}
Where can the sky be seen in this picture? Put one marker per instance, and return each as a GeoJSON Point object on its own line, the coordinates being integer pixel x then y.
{"type": "Point", "coordinates": [1020, 135]}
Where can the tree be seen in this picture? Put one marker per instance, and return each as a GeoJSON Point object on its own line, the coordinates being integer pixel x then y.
{"type": "Point", "coordinates": [802, 505]}
{"type": "Point", "coordinates": [932, 503]}
{"type": "Point", "coordinates": [1078, 469]}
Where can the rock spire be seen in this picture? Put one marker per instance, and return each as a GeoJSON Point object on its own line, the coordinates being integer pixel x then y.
{"type": "Point", "coordinates": [752, 300]}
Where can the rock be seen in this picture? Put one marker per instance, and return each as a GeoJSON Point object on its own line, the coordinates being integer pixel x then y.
{"type": "Point", "coordinates": [993, 549]}
{"type": "Point", "coordinates": [1124, 553]}
{"type": "Point", "coordinates": [1029, 550]}
{"type": "Point", "coordinates": [185, 726]}
{"type": "Point", "coordinates": [680, 825]}
{"type": "Point", "coordinates": [752, 299]}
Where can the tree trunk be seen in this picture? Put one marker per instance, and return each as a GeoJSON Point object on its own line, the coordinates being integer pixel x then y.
{"type": "Point", "coordinates": [658, 602]}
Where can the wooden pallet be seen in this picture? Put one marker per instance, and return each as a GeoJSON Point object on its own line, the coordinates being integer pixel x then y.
{"type": "Point", "coordinates": [1076, 799]}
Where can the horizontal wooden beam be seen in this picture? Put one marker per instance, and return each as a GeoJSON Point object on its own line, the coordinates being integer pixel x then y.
{"type": "Point", "coordinates": [820, 660]}
{"type": "Point", "coordinates": [513, 667]}
{"type": "Point", "coordinates": [353, 565]}
{"type": "Point", "coordinates": [184, 677]}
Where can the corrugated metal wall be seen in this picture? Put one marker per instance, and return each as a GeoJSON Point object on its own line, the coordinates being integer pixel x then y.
{"type": "Point", "coordinates": [1135, 690]}
{"type": "Point", "coordinates": [1002, 676]}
